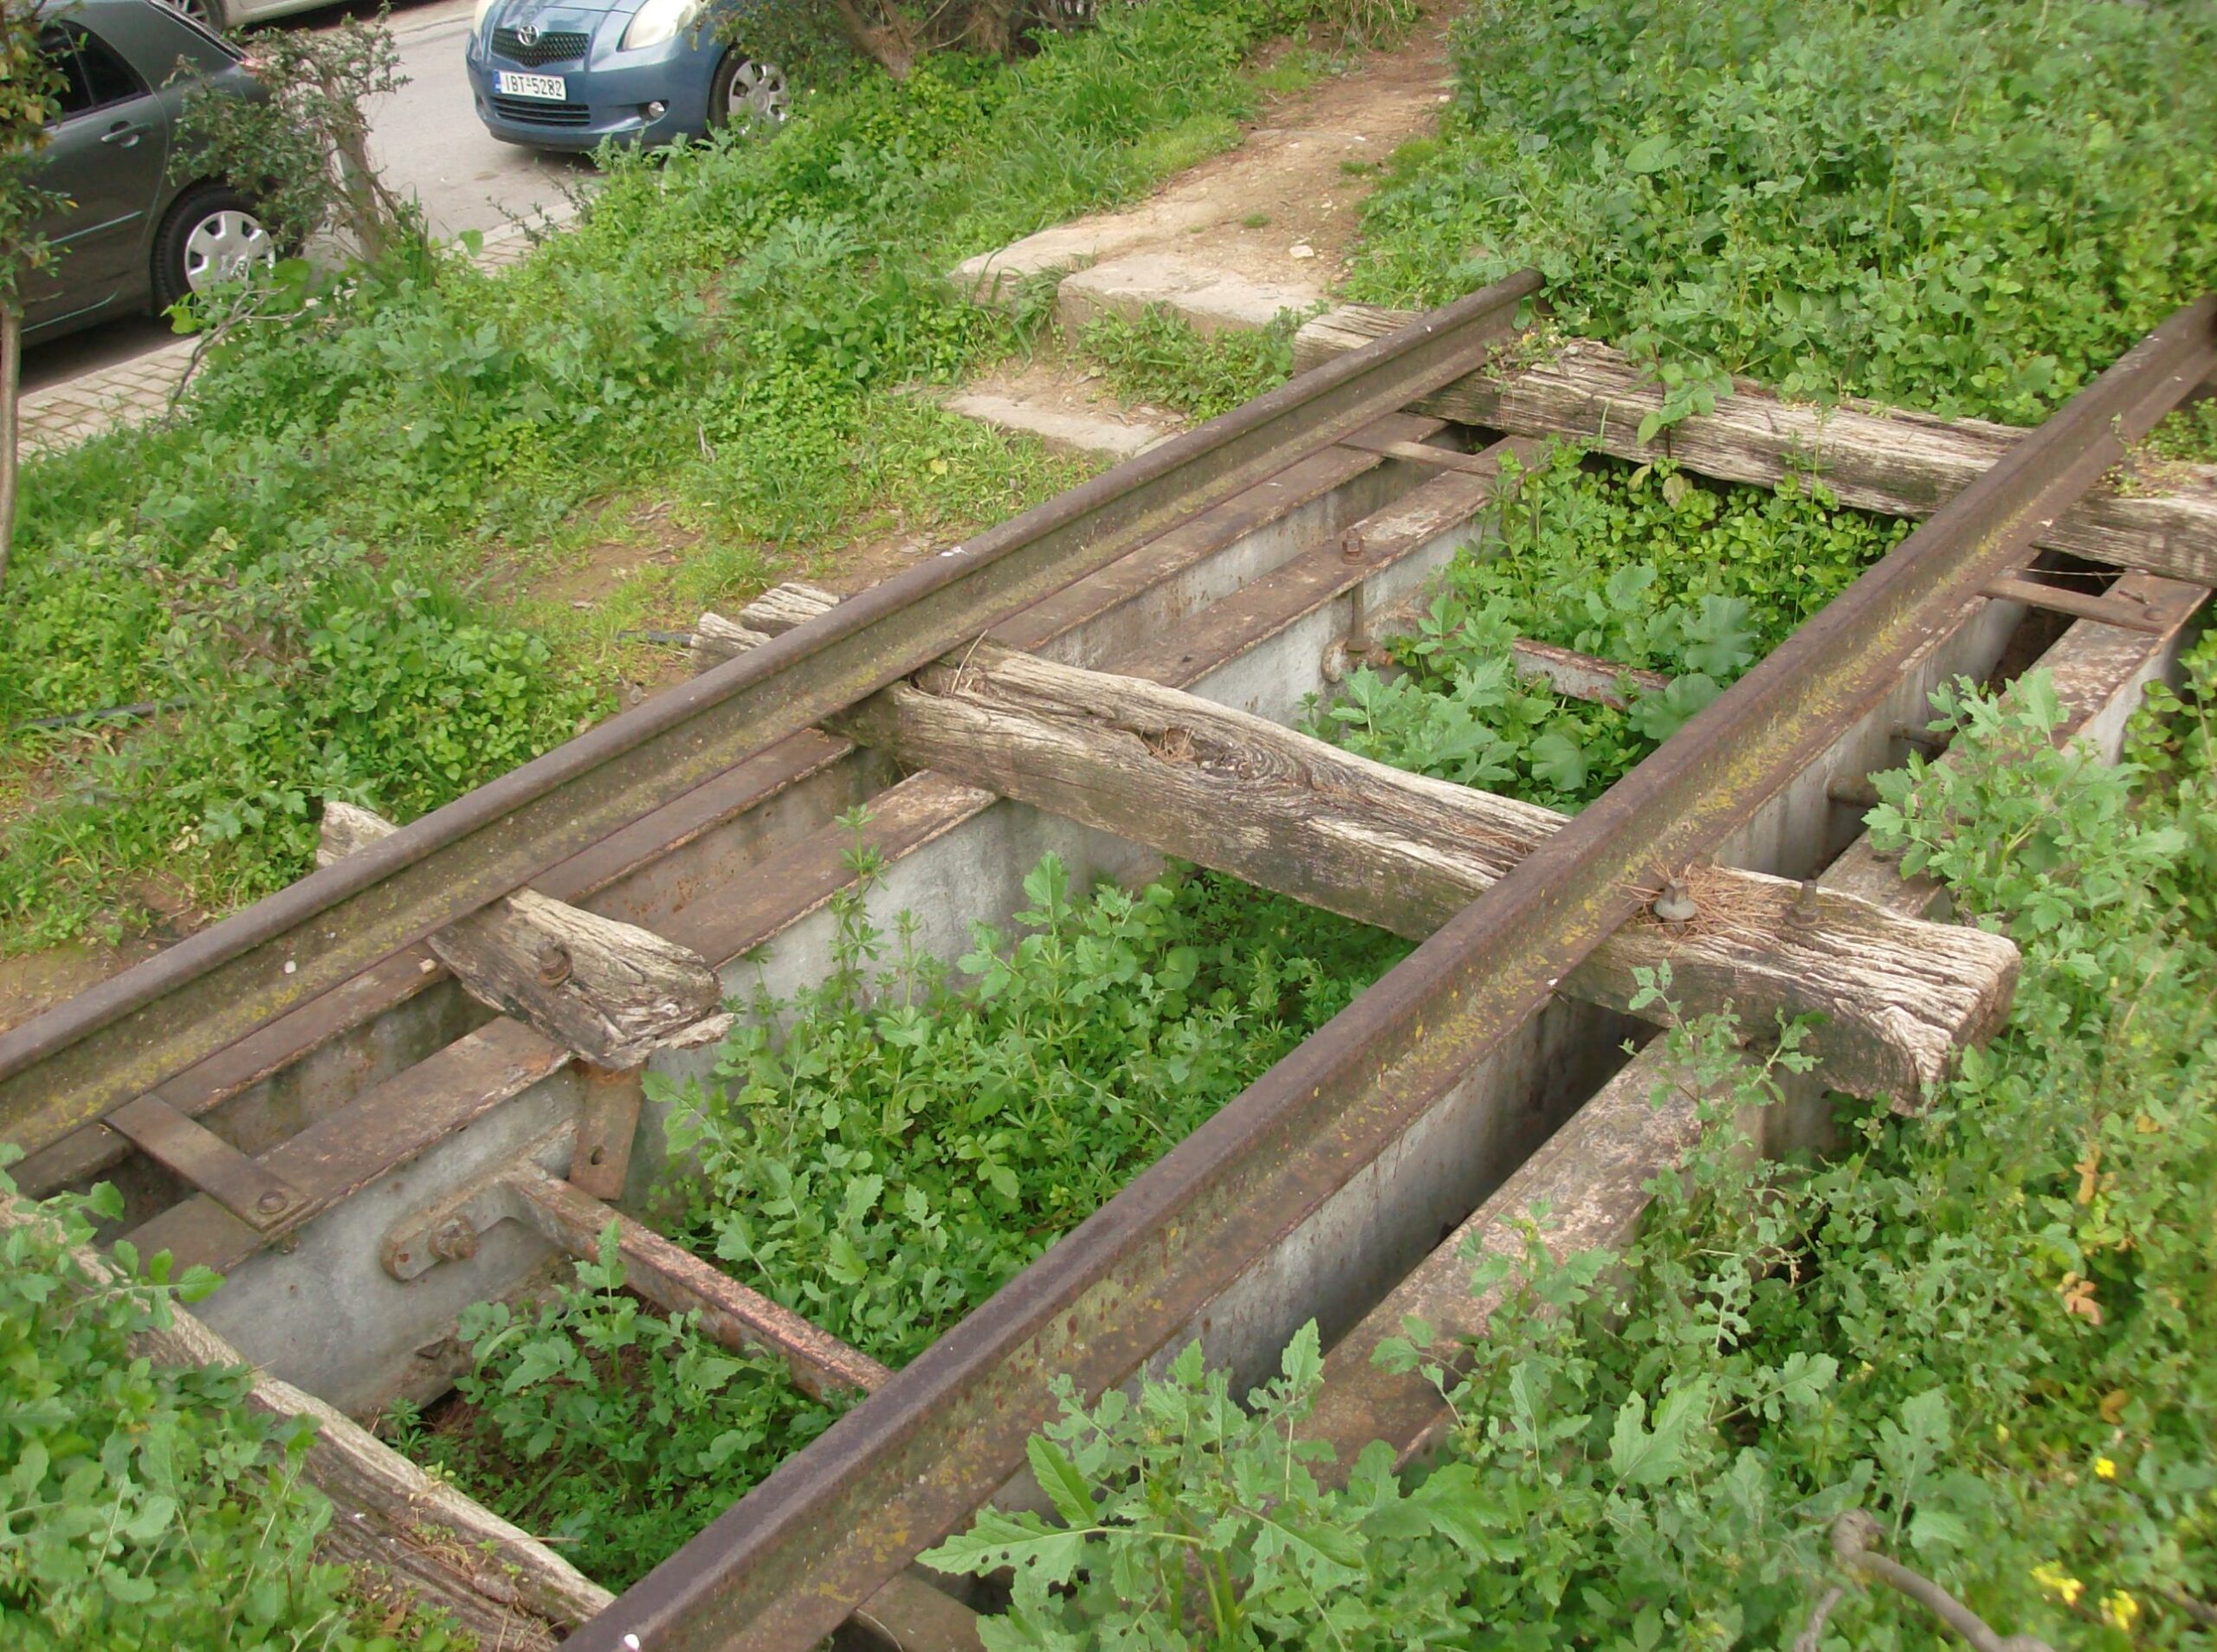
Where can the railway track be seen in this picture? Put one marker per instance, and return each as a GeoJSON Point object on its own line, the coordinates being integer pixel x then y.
{"type": "Point", "coordinates": [413, 1081]}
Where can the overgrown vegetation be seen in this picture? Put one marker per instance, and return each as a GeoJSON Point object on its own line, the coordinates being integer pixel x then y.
{"type": "Point", "coordinates": [1161, 358]}
{"type": "Point", "coordinates": [1968, 205]}
{"type": "Point", "coordinates": [910, 1139]}
{"type": "Point", "coordinates": [882, 1156]}
{"type": "Point", "coordinates": [142, 1506]}
{"type": "Point", "coordinates": [606, 1428]}
{"type": "Point", "coordinates": [742, 326]}
{"type": "Point", "coordinates": [1645, 568]}
{"type": "Point", "coordinates": [1987, 1326]}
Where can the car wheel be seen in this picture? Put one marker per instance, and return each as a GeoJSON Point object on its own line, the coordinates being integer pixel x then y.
{"type": "Point", "coordinates": [213, 234]}
{"type": "Point", "coordinates": [747, 91]}
{"type": "Point", "coordinates": [211, 14]}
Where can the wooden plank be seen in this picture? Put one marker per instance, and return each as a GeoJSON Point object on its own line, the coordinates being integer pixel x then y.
{"type": "Point", "coordinates": [249, 1191]}
{"type": "Point", "coordinates": [1278, 808]}
{"type": "Point", "coordinates": [678, 1282]}
{"type": "Point", "coordinates": [2159, 517]}
{"type": "Point", "coordinates": [1421, 453]}
{"type": "Point", "coordinates": [1581, 676]}
{"type": "Point", "coordinates": [611, 991]}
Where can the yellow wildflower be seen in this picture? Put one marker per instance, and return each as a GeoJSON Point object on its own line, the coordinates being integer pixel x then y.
{"type": "Point", "coordinates": [2002, 1432]}
{"type": "Point", "coordinates": [2120, 1610]}
{"type": "Point", "coordinates": [2105, 1469]}
{"type": "Point", "coordinates": [2058, 1583]}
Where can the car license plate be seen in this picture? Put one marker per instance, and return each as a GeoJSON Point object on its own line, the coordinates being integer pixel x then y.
{"type": "Point", "coordinates": [552, 88]}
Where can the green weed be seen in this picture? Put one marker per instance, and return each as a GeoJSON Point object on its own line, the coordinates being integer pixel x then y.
{"type": "Point", "coordinates": [1642, 567]}
{"type": "Point", "coordinates": [912, 1140]}
{"type": "Point", "coordinates": [1164, 361]}
{"type": "Point", "coordinates": [1972, 206]}
{"type": "Point", "coordinates": [607, 1429]}
{"type": "Point", "coordinates": [145, 1505]}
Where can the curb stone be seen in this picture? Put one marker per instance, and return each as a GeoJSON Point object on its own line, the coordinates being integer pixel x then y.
{"type": "Point", "coordinates": [131, 392]}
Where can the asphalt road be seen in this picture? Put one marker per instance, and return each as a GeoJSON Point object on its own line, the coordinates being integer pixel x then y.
{"type": "Point", "coordinates": [425, 136]}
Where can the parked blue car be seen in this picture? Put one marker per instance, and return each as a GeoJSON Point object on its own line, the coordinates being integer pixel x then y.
{"type": "Point", "coordinates": [567, 74]}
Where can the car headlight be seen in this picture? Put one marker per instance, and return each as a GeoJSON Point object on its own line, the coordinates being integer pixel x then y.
{"type": "Point", "coordinates": [485, 9]}
{"type": "Point", "coordinates": [658, 20]}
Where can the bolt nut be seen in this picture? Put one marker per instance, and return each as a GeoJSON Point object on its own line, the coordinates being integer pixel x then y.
{"type": "Point", "coordinates": [1806, 911]}
{"type": "Point", "coordinates": [270, 1203]}
{"type": "Point", "coordinates": [1352, 547]}
{"type": "Point", "coordinates": [454, 1240]}
{"type": "Point", "coordinates": [553, 963]}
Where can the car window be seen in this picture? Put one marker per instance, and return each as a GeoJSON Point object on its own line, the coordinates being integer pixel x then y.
{"type": "Point", "coordinates": [111, 79]}
{"type": "Point", "coordinates": [93, 75]}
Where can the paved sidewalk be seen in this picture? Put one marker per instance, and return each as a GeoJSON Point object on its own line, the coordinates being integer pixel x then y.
{"type": "Point", "coordinates": [131, 392]}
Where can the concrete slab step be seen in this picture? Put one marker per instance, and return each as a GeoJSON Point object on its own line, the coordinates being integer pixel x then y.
{"type": "Point", "coordinates": [1101, 430]}
{"type": "Point", "coordinates": [1209, 298]}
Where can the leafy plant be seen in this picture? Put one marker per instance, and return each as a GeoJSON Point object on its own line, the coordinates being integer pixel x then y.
{"type": "Point", "coordinates": [142, 1506]}
{"type": "Point", "coordinates": [1188, 1520]}
{"type": "Point", "coordinates": [1968, 205]}
{"type": "Point", "coordinates": [608, 1428]}
{"type": "Point", "coordinates": [1640, 567]}
{"type": "Point", "coordinates": [905, 1144]}
{"type": "Point", "coordinates": [303, 153]}
{"type": "Point", "coordinates": [1163, 358]}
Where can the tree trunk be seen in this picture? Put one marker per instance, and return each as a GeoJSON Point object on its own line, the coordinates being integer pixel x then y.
{"type": "Point", "coordinates": [11, 364]}
{"type": "Point", "coordinates": [880, 32]}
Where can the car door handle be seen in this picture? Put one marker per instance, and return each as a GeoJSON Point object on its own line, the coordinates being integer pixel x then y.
{"type": "Point", "coordinates": [124, 133]}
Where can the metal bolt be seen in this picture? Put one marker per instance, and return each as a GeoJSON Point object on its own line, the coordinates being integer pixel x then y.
{"type": "Point", "coordinates": [1805, 912]}
{"type": "Point", "coordinates": [553, 964]}
{"type": "Point", "coordinates": [1352, 548]}
{"type": "Point", "coordinates": [454, 1240]}
{"type": "Point", "coordinates": [270, 1203]}
{"type": "Point", "coordinates": [1674, 905]}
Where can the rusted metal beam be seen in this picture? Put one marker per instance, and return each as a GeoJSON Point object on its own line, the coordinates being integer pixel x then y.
{"type": "Point", "coordinates": [126, 1037]}
{"type": "Point", "coordinates": [789, 1562]}
{"type": "Point", "coordinates": [678, 1282]}
{"type": "Point", "coordinates": [251, 1192]}
{"type": "Point", "coordinates": [2079, 605]}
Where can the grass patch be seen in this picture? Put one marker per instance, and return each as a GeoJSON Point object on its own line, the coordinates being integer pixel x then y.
{"type": "Point", "coordinates": [1164, 361]}
{"type": "Point", "coordinates": [1972, 206]}
{"type": "Point", "coordinates": [732, 334]}
{"type": "Point", "coordinates": [1645, 568]}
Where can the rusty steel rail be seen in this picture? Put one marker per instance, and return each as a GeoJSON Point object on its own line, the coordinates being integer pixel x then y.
{"type": "Point", "coordinates": [787, 1564]}
{"type": "Point", "coordinates": [126, 1037]}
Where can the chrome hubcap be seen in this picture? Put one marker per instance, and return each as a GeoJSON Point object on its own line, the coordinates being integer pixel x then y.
{"type": "Point", "coordinates": [757, 92]}
{"type": "Point", "coordinates": [227, 246]}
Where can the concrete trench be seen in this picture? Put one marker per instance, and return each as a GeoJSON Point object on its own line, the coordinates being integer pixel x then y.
{"type": "Point", "coordinates": [322, 1311]}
